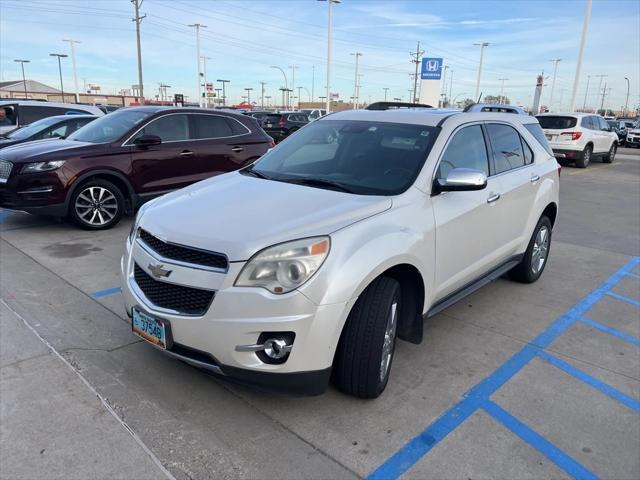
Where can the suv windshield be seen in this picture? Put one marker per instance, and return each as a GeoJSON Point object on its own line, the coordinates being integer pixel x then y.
{"type": "Point", "coordinates": [110, 127]}
{"type": "Point", "coordinates": [29, 130]}
{"type": "Point", "coordinates": [367, 158]}
{"type": "Point", "coordinates": [556, 123]}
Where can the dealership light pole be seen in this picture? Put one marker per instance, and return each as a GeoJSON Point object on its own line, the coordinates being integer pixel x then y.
{"type": "Point", "coordinates": [286, 86]}
{"type": "Point", "coordinates": [481, 45]}
{"type": "Point", "coordinates": [355, 83]}
{"type": "Point", "coordinates": [293, 79]}
{"type": "Point", "coordinates": [24, 80]}
{"type": "Point", "coordinates": [248, 90]}
{"type": "Point", "coordinates": [73, 64]}
{"type": "Point", "coordinates": [583, 41]}
{"type": "Point", "coordinates": [198, 26]}
{"type": "Point", "coordinates": [586, 92]}
{"type": "Point", "coordinates": [553, 80]}
{"type": "Point", "coordinates": [60, 55]}
{"type": "Point", "coordinates": [224, 92]}
{"type": "Point", "coordinates": [626, 103]}
{"type": "Point", "coordinates": [328, 86]}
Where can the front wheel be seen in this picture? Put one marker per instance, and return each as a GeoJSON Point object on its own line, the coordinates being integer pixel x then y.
{"type": "Point", "coordinates": [535, 258]}
{"type": "Point", "coordinates": [611, 155]}
{"type": "Point", "coordinates": [366, 348]}
{"type": "Point", "coordinates": [96, 205]}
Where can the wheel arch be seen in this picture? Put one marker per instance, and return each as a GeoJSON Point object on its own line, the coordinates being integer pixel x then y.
{"type": "Point", "coordinates": [551, 211]}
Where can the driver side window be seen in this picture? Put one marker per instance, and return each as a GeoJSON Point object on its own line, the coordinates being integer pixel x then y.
{"type": "Point", "coordinates": [467, 149]}
{"type": "Point", "coordinates": [170, 128]}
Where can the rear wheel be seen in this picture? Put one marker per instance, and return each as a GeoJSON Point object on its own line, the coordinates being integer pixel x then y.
{"type": "Point", "coordinates": [535, 258]}
{"type": "Point", "coordinates": [364, 355]}
{"type": "Point", "coordinates": [585, 158]}
{"type": "Point", "coordinates": [96, 205]}
{"type": "Point", "coordinates": [612, 154]}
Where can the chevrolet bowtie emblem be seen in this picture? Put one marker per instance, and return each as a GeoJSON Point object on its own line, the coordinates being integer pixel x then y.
{"type": "Point", "coordinates": [159, 272]}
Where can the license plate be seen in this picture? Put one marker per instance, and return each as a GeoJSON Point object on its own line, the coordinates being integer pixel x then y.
{"type": "Point", "coordinates": [149, 328]}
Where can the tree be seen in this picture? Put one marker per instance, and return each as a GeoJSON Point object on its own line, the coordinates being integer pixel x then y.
{"type": "Point", "coordinates": [467, 102]}
{"type": "Point", "coordinates": [496, 99]}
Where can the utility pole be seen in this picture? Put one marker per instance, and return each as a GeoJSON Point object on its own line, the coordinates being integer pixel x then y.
{"type": "Point", "coordinates": [604, 93]}
{"type": "Point", "coordinates": [204, 71]}
{"type": "Point", "coordinates": [355, 84]}
{"type": "Point", "coordinates": [73, 63]}
{"type": "Point", "coordinates": [584, 105]}
{"type": "Point", "coordinates": [328, 86]}
{"type": "Point", "coordinates": [450, 87]}
{"type": "Point", "coordinates": [293, 78]}
{"type": "Point", "coordinates": [136, 5]}
{"type": "Point", "coordinates": [24, 80]}
{"type": "Point", "coordinates": [481, 45]}
{"type": "Point", "coordinates": [502, 90]}
{"type": "Point", "coordinates": [299, 94]}
{"type": "Point", "coordinates": [313, 80]}
{"type": "Point", "coordinates": [606, 107]}
{"type": "Point", "coordinates": [60, 55]}
{"type": "Point", "coordinates": [595, 110]}
{"type": "Point", "coordinates": [386, 89]}
{"type": "Point", "coordinates": [224, 93]}
{"type": "Point", "coordinates": [583, 41]}
{"type": "Point", "coordinates": [262, 84]}
{"type": "Point", "coordinates": [198, 26]}
{"type": "Point", "coordinates": [626, 103]}
{"type": "Point", "coordinates": [418, 53]}
{"type": "Point", "coordinates": [553, 80]}
{"type": "Point", "coordinates": [443, 90]}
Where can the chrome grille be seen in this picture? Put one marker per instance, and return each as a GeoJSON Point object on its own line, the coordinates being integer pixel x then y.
{"type": "Point", "coordinates": [178, 298]}
{"type": "Point", "coordinates": [5, 170]}
{"type": "Point", "coordinates": [184, 254]}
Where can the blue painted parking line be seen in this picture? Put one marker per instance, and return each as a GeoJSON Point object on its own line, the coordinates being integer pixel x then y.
{"type": "Point", "coordinates": [611, 331]}
{"type": "Point", "coordinates": [4, 214]}
{"type": "Point", "coordinates": [107, 292]}
{"type": "Point", "coordinates": [632, 403]}
{"type": "Point", "coordinates": [624, 299]}
{"type": "Point", "coordinates": [476, 398]}
{"type": "Point", "coordinates": [537, 441]}
{"type": "Point", "coordinates": [634, 275]}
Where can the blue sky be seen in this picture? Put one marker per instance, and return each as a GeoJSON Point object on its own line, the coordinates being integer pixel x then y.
{"type": "Point", "coordinates": [245, 37]}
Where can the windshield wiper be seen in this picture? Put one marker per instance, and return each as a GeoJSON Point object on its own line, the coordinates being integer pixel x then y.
{"type": "Point", "coordinates": [255, 173]}
{"type": "Point", "coordinates": [320, 182]}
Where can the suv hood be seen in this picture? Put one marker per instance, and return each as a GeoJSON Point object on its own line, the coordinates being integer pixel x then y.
{"type": "Point", "coordinates": [239, 215]}
{"type": "Point", "coordinates": [32, 151]}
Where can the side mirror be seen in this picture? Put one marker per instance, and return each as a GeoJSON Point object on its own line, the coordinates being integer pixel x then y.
{"type": "Point", "coordinates": [460, 180]}
{"type": "Point", "coordinates": [147, 140]}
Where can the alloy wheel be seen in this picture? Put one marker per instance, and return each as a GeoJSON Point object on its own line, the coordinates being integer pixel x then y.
{"type": "Point", "coordinates": [612, 152]}
{"type": "Point", "coordinates": [540, 250]}
{"type": "Point", "coordinates": [96, 206]}
{"type": "Point", "coordinates": [389, 341]}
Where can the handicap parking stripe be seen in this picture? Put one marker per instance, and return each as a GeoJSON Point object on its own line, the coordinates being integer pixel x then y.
{"type": "Point", "coordinates": [624, 299]}
{"type": "Point", "coordinates": [611, 331]}
{"type": "Point", "coordinates": [4, 214]}
{"type": "Point", "coordinates": [106, 292]}
{"type": "Point", "coordinates": [540, 443]}
{"type": "Point", "coordinates": [479, 396]}
{"type": "Point", "coordinates": [588, 379]}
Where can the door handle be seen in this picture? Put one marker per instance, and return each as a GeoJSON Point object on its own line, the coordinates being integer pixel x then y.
{"type": "Point", "coordinates": [186, 153]}
{"type": "Point", "coordinates": [237, 149]}
{"type": "Point", "coordinates": [493, 198]}
{"type": "Point", "coordinates": [535, 178]}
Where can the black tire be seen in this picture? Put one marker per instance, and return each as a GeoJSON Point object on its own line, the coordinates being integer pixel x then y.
{"type": "Point", "coordinates": [609, 157]}
{"type": "Point", "coordinates": [529, 269]}
{"type": "Point", "coordinates": [358, 368]}
{"type": "Point", "coordinates": [584, 159]}
{"type": "Point", "coordinates": [97, 209]}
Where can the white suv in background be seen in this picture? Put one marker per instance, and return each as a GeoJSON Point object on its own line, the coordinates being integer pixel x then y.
{"type": "Point", "coordinates": [309, 263]}
{"type": "Point", "coordinates": [579, 137]}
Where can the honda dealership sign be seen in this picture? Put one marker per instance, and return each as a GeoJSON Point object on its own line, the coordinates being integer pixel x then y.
{"type": "Point", "coordinates": [431, 80]}
{"type": "Point", "coordinates": [431, 69]}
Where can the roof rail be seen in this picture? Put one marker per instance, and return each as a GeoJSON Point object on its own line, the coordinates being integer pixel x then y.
{"type": "Point", "coordinates": [389, 105]}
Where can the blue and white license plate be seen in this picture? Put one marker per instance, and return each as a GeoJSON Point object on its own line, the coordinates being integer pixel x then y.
{"type": "Point", "coordinates": [149, 328]}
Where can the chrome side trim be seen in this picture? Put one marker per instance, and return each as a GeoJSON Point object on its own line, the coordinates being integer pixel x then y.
{"type": "Point", "coordinates": [37, 190]}
{"type": "Point", "coordinates": [179, 263]}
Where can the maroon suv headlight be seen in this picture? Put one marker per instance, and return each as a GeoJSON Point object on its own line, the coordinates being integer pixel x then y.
{"type": "Point", "coordinates": [42, 166]}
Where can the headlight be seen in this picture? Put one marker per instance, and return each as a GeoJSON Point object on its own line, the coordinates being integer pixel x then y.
{"type": "Point", "coordinates": [42, 166]}
{"type": "Point", "coordinates": [134, 225]}
{"type": "Point", "coordinates": [285, 267]}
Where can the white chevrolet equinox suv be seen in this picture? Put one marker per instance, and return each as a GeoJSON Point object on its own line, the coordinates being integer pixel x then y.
{"type": "Point", "coordinates": [308, 264]}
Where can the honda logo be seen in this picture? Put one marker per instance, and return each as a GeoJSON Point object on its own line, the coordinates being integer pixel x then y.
{"type": "Point", "coordinates": [432, 66]}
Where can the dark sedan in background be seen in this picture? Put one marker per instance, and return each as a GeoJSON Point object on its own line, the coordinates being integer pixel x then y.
{"type": "Point", "coordinates": [111, 166]}
{"type": "Point", "coordinates": [281, 125]}
{"type": "Point", "coordinates": [59, 126]}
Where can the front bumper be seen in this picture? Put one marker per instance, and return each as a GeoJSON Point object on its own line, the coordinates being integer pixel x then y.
{"type": "Point", "coordinates": [632, 141]}
{"type": "Point", "coordinates": [237, 316]}
{"type": "Point", "coordinates": [39, 193]}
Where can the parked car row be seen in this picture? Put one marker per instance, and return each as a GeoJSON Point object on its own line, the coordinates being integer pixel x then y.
{"type": "Point", "coordinates": [18, 113]}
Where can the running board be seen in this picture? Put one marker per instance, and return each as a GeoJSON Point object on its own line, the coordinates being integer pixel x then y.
{"type": "Point", "coordinates": [472, 287]}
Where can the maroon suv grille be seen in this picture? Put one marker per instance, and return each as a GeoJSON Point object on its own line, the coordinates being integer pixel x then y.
{"type": "Point", "coordinates": [184, 254]}
{"type": "Point", "coordinates": [185, 300]}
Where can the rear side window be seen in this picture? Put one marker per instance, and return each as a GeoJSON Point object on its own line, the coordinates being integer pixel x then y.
{"type": "Point", "coordinates": [237, 127]}
{"type": "Point", "coordinates": [466, 149]}
{"type": "Point", "coordinates": [587, 122]}
{"type": "Point", "coordinates": [212, 126]}
{"type": "Point", "coordinates": [170, 128]}
{"type": "Point", "coordinates": [507, 147]}
{"type": "Point", "coordinates": [538, 134]}
{"type": "Point", "coordinates": [553, 122]}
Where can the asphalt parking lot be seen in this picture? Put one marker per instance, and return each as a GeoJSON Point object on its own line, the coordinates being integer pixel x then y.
{"type": "Point", "coordinates": [516, 381]}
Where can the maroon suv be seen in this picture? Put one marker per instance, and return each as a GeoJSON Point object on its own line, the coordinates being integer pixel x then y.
{"type": "Point", "coordinates": [114, 164]}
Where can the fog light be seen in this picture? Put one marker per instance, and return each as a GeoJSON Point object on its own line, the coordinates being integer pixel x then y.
{"type": "Point", "coordinates": [271, 347]}
{"type": "Point", "coordinates": [276, 348]}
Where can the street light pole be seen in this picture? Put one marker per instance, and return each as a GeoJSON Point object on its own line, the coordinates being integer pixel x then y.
{"type": "Point", "coordinates": [136, 5]}
{"type": "Point", "coordinates": [262, 84]}
{"type": "Point", "coordinates": [443, 90]}
{"type": "Point", "coordinates": [248, 90]}
{"type": "Point", "coordinates": [481, 45]}
{"type": "Point", "coordinates": [626, 103]}
{"type": "Point", "coordinates": [60, 55]}
{"type": "Point", "coordinates": [595, 110]}
{"type": "Point", "coordinates": [584, 104]}
{"type": "Point", "coordinates": [313, 81]}
{"type": "Point", "coordinates": [553, 80]}
{"type": "Point", "coordinates": [583, 41]}
{"type": "Point", "coordinates": [73, 64]}
{"type": "Point", "coordinates": [450, 86]}
{"type": "Point", "coordinates": [293, 78]}
{"type": "Point", "coordinates": [502, 90]}
{"type": "Point", "coordinates": [198, 26]}
{"type": "Point", "coordinates": [355, 83]}
{"type": "Point", "coordinates": [224, 92]}
{"type": "Point", "coordinates": [24, 80]}
{"type": "Point", "coordinates": [328, 86]}
{"type": "Point", "coordinates": [286, 86]}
